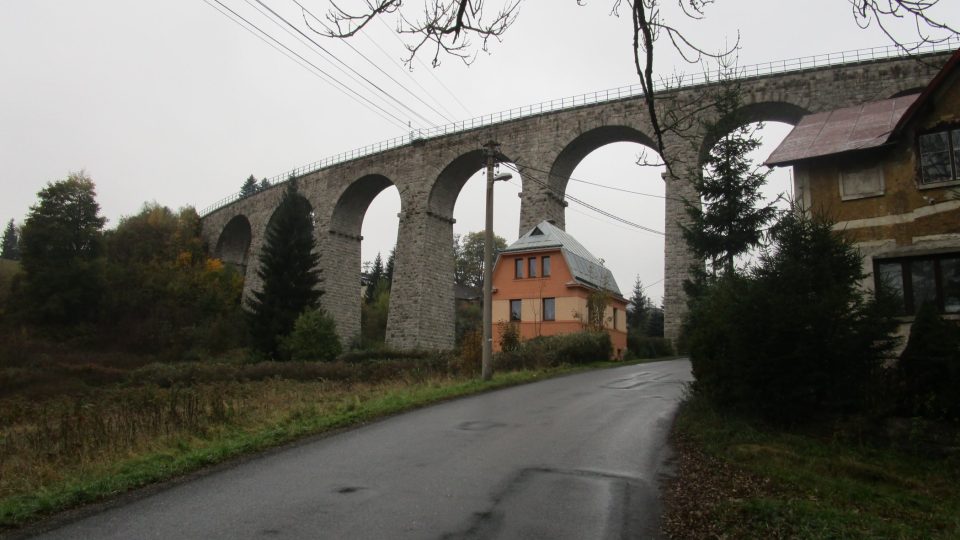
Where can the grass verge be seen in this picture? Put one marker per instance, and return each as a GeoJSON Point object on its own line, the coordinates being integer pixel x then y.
{"type": "Point", "coordinates": [253, 416]}
{"type": "Point", "coordinates": [736, 479]}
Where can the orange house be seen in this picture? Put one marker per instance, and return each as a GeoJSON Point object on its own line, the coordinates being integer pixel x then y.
{"type": "Point", "coordinates": [542, 281]}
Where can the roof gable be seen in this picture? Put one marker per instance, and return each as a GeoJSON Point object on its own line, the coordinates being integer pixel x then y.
{"type": "Point", "coordinates": [583, 266]}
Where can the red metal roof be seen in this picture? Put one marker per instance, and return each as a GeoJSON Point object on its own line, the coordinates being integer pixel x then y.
{"type": "Point", "coordinates": [855, 128]}
{"type": "Point", "coordinates": [852, 128]}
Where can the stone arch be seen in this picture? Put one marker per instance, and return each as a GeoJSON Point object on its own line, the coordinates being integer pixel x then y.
{"type": "Point", "coordinates": [446, 188]}
{"type": "Point", "coordinates": [585, 143]}
{"type": "Point", "coordinates": [342, 258]}
{"type": "Point", "coordinates": [233, 245]}
{"type": "Point", "coordinates": [766, 111]}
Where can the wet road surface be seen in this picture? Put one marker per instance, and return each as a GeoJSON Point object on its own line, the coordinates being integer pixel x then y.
{"type": "Point", "coordinates": [573, 457]}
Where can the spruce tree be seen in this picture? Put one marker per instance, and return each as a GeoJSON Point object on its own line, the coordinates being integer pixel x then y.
{"type": "Point", "coordinates": [264, 184]}
{"type": "Point", "coordinates": [249, 187]}
{"type": "Point", "coordinates": [730, 222]}
{"type": "Point", "coordinates": [10, 249]}
{"type": "Point", "coordinates": [640, 307]}
{"type": "Point", "coordinates": [288, 271]}
{"type": "Point", "coordinates": [377, 276]}
{"type": "Point", "coordinates": [388, 271]}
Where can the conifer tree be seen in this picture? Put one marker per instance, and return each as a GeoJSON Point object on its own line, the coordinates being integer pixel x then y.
{"type": "Point", "coordinates": [10, 249]}
{"type": "Point", "coordinates": [388, 271]}
{"type": "Point", "coordinates": [249, 187]}
{"type": "Point", "coordinates": [730, 223]}
{"type": "Point", "coordinates": [640, 306]}
{"type": "Point", "coordinates": [377, 279]}
{"type": "Point", "coordinates": [288, 270]}
{"type": "Point", "coordinates": [264, 184]}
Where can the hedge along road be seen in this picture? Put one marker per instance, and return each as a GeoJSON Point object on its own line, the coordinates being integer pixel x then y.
{"type": "Point", "coordinates": [572, 457]}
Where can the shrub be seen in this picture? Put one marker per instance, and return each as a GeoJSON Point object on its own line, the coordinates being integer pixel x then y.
{"type": "Point", "coordinates": [579, 348]}
{"type": "Point", "coordinates": [648, 347]}
{"type": "Point", "coordinates": [929, 367]}
{"type": "Point", "coordinates": [468, 361]}
{"type": "Point", "coordinates": [509, 336]}
{"type": "Point", "coordinates": [795, 338]}
{"type": "Point", "coordinates": [314, 337]}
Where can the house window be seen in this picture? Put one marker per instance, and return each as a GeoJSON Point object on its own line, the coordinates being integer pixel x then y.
{"type": "Point", "coordinates": [940, 156]}
{"type": "Point", "coordinates": [546, 266]}
{"type": "Point", "coordinates": [515, 309]}
{"type": "Point", "coordinates": [860, 183]}
{"type": "Point", "coordinates": [614, 318]}
{"type": "Point", "coordinates": [518, 268]}
{"type": "Point", "coordinates": [913, 281]}
{"type": "Point", "coordinates": [532, 270]}
{"type": "Point", "coordinates": [549, 309]}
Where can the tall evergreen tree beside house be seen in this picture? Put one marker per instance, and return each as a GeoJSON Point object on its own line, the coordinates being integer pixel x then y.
{"type": "Point", "coordinates": [288, 271]}
{"type": "Point", "coordinates": [639, 309]}
{"type": "Point", "coordinates": [10, 249]}
{"type": "Point", "coordinates": [730, 221]}
{"type": "Point", "coordinates": [249, 187]}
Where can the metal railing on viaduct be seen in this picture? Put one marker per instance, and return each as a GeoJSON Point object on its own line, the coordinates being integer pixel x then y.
{"type": "Point", "coordinates": [608, 95]}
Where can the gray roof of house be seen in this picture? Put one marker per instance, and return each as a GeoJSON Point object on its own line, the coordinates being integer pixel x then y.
{"type": "Point", "coordinates": [584, 267]}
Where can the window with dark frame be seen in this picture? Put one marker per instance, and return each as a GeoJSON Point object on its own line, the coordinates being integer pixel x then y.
{"type": "Point", "coordinates": [532, 267]}
{"type": "Point", "coordinates": [546, 266]}
{"type": "Point", "coordinates": [913, 281]}
{"type": "Point", "coordinates": [614, 318]}
{"type": "Point", "coordinates": [518, 268]}
{"type": "Point", "coordinates": [939, 156]}
{"type": "Point", "coordinates": [549, 309]}
{"type": "Point", "coordinates": [515, 309]}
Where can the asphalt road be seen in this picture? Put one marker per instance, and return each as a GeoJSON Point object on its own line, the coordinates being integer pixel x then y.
{"type": "Point", "coordinates": [572, 457]}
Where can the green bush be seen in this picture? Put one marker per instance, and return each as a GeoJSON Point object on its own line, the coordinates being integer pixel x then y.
{"type": "Point", "coordinates": [929, 368]}
{"type": "Point", "coordinates": [795, 338]}
{"type": "Point", "coordinates": [314, 337]}
{"type": "Point", "coordinates": [509, 336]}
{"type": "Point", "coordinates": [648, 347]}
{"type": "Point", "coordinates": [571, 349]}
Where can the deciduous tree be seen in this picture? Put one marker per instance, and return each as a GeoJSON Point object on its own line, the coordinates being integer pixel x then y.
{"type": "Point", "coordinates": [60, 250]}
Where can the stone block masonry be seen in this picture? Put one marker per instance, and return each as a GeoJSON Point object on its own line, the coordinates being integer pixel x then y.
{"type": "Point", "coordinates": [430, 173]}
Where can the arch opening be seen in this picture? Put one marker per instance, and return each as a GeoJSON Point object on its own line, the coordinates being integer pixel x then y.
{"type": "Point", "coordinates": [233, 245]}
{"type": "Point", "coordinates": [363, 223]}
{"type": "Point", "coordinates": [610, 178]}
{"type": "Point", "coordinates": [458, 204]}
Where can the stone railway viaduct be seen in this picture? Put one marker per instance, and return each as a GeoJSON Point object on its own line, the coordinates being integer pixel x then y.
{"type": "Point", "coordinates": [430, 172]}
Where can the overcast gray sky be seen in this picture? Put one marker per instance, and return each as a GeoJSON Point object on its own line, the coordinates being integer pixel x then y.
{"type": "Point", "coordinates": [172, 102]}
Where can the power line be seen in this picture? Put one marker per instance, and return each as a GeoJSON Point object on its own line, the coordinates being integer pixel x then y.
{"type": "Point", "coordinates": [335, 57]}
{"type": "Point", "coordinates": [317, 72]}
{"type": "Point", "coordinates": [604, 186]}
{"type": "Point", "coordinates": [429, 70]}
{"type": "Point", "coordinates": [303, 42]}
{"type": "Point", "coordinates": [371, 62]}
{"type": "Point", "coordinates": [584, 203]}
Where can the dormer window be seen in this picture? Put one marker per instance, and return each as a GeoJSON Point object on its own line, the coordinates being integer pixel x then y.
{"type": "Point", "coordinates": [939, 157]}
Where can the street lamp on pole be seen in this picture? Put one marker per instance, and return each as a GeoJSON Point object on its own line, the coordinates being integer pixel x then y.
{"type": "Point", "coordinates": [487, 358]}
